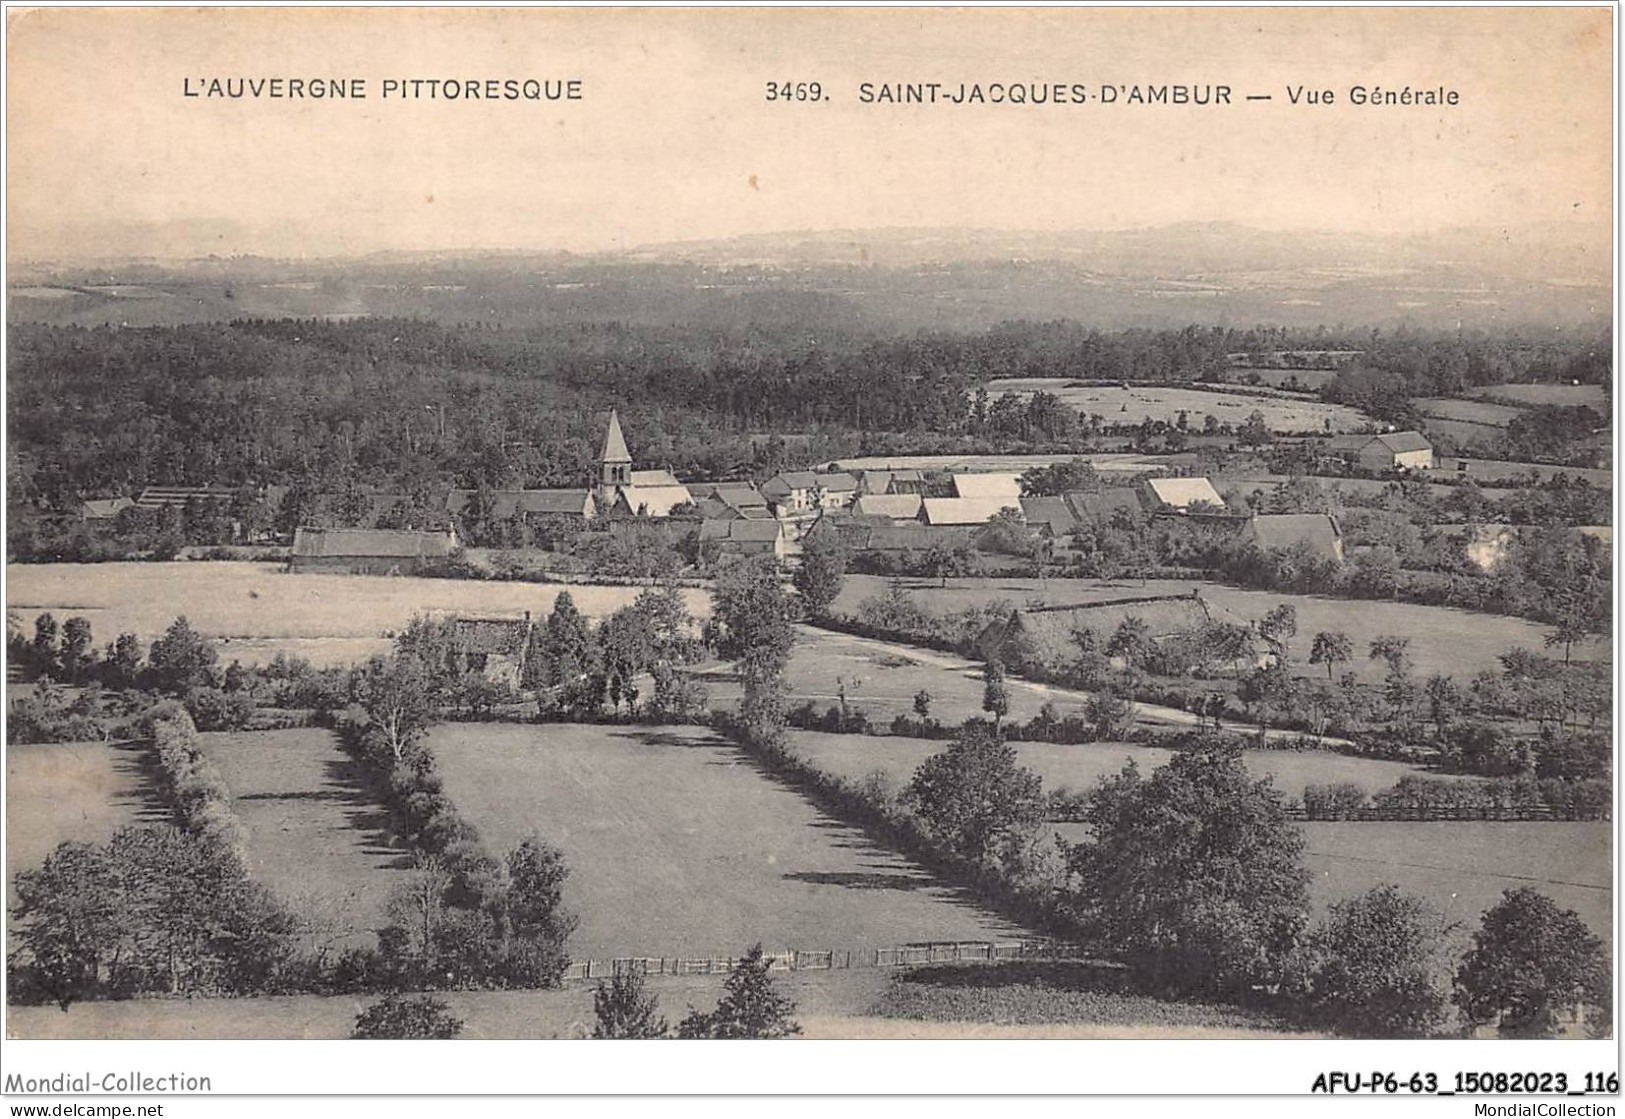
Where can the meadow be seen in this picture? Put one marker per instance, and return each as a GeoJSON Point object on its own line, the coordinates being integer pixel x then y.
{"type": "Point", "coordinates": [1446, 640]}
{"type": "Point", "coordinates": [1532, 396]}
{"type": "Point", "coordinates": [1477, 412]}
{"type": "Point", "coordinates": [313, 834]}
{"type": "Point", "coordinates": [679, 846]}
{"type": "Point", "coordinates": [256, 610]}
{"type": "Point", "coordinates": [80, 791]}
{"type": "Point", "coordinates": [1308, 380]}
{"type": "Point", "coordinates": [1119, 405]}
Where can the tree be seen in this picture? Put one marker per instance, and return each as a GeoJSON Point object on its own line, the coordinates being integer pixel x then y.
{"type": "Point", "coordinates": [1331, 649]}
{"type": "Point", "coordinates": [537, 922]}
{"type": "Point", "coordinates": [70, 916]}
{"type": "Point", "coordinates": [1277, 628]}
{"type": "Point", "coordinates": [1131, 640]}
{"type": "Point", "coordinates": [751, 1006]}
{"type": "Point", "coordinates": [1061, 477]}
{"type": "Point", "coordinates": [1531, 964]}
{"type": "Point", "coordinates": [181, 658]}
{"type": "Point", "coordinates": [922, 704]}
{"type": "Point", "coordinates": [824, 558]}
{"type": "Point", "coordinates": [566, 650]}
{"type": "Point", "coordinates": [995, 693]}
{"type": "Point", "coordinates": [1377, 966]}
{"type": "Point", "coordinates": [1194, 875]}
{"type": "Point", "coordinates": [943, 561]}
{"type": "Point", "coordinates": [47, 644]}
{"type": "Point", "coordinates": [407, 1017]}
{"type": "Point", "coordinates": [1444, 701]}
{"type": "Point", "coordinates": [625, 1011]}
{"type": "Point", "coordinates": [974, 796]}
{"type": "Point", "coordinates": [1254, 432]}
{"type": "Point", "coordinates": [396, 694]}
{"type": "Point", "coordinates": [76, 648]}
{"type": "Point", "coordinates": [754, 615]}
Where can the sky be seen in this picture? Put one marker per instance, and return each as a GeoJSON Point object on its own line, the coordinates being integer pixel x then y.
{"type": "Point", "coordinates": [673, 138]}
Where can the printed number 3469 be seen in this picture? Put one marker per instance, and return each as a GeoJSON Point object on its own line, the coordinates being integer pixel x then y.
{"type": "Point", "coordinates": [795, 91]}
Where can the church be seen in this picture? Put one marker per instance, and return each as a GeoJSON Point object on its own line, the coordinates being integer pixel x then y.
{"type": "Point", "coordinates": [639, 493]}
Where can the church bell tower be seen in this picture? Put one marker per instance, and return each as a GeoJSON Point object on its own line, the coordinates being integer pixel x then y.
{"type": "Point", "coordinates": [614, 464]}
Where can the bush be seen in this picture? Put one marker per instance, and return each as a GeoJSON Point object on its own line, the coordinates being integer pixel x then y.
{"type": "Point", "coordinates": [1377, 966]}
{"type": "Point", "coordinates": [402, 1017]}
{"type": "Point", "coordinates": [751, 1006]}
{"type": "Point", "coordinates": [625, 1011]}
{"type": "Point", "coordinates": [1532, 963]}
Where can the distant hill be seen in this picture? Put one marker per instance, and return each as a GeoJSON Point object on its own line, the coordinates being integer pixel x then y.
{"type": "Point", "coordinates": [889, 280]}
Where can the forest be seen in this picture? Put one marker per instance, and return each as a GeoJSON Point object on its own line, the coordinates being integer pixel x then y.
{"type": "Point", "coordinates": [409, 405]}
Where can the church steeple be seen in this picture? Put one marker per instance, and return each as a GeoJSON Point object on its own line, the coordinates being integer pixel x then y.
{"type": "Point", "coordinates": [614, 463]}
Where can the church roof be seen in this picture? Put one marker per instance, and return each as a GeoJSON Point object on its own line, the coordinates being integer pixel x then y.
{"type": "Point", "coordinates": [614, 442]}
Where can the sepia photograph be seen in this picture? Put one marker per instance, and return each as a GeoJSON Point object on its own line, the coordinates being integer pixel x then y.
{"type": "Point", "coordinates": [883, 525]}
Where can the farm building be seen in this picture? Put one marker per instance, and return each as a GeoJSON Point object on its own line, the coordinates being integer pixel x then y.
{"type": "Point", "coordinates": [368, 551]}
{"type": "Point", "coordinates": [746, 537]}
{"type": "Point", "coordinates": [99, 509]}
{"type": "Point", "coordinates": [525, 504]}
{"type": "Point", "coordinates": [964, 510]}
{"type": "Point", "coordinates": [1118, 504]}
{"type": "Point", "coordinates": [1048, 634]}
{"type": "Point", "coordinates": [988, 486]}
{"type": "Point", "coordinates": [878, 482]}
{"type": "Point", "coordinates": [1177, 495]}
{"type": "Point", "coordinates": [1485, 546]}
{"type": "Point", "coordinates": [496, 648]}
{"type": "Point", "coordinates": [729, 501]}
{"type": "Point", "coordinates": [1050, 515]}
{"type": "Point", "coordinates": [800, 492]}
{"type": "Point", "coordinates": [1282, 531]}
{"type": "Point", "coordinates": [1398, 450]}
{"type": "Point", "coordinates": [893, 506]}
{"type": "Point", "coordinates": [178, 497]}
{"type": "Point", "coordinates": [905, 537]}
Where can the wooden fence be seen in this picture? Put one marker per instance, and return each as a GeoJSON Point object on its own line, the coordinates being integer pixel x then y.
{"type": "Point", "coordinates": [833, 959]}
{"type": "Point", "coordinates": [1417, 812]}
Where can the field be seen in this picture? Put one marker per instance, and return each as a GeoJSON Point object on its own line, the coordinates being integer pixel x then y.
{"type": "Point", "coordinates": [257, 610]}
{"type": "Point", "coordinates": [314, 836]}
{"type": "Point", "coordinates": [1311, 380]}
{"type": "Point", "coordinates": [1475, 412]}
{"type": "Point", "coordinates": [678, 845]}
{"type": "Point", "coordinates": [1109, 462]}
{"type": "Point", "coordinates": [1457, 642]}
{"type": "Point", "coordinates": [1495, 470]}
{"type": "Point", "coordinates": [1530, 396]}
{"type": "Point", "coordinates": [1079, 767]}
{"type": "Point", "coordinates": [82, 791]}
{"type": "Point", "coordinates": [1118, 405]}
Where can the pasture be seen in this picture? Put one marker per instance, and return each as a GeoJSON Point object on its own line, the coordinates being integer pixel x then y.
{"type": "Point", "coordinates": [255, 610]}
{"type": "Point", "coordinates": [1106, 462]}
{"type": "Point", "coordinates": [1476, 412]}
{"type": "Point", "coordinates": [1119, 405]}
{"type": "Point", "coordinates": [1496, 471]}
{"type": "Point", "coordinates": [678, 845]}
{"type": "Point", "coordinates": [1306, 380]}
{"type": "Point", "coordinates": [1534, 396]}
{"type": "Point", "coordinates": [1455, 642]}
{"type": "Point", "coordinates": [81, 791]}
{"type": "Point", "coordinates": [1080, 767]}
{"type": "Point", "coordinates": [314, 835]}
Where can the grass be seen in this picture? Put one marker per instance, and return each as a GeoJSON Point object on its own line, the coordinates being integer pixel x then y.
{"type": "Point", "coordinates": [314, 835]}
{"type": "Point", "coordinates": [1117, 405]}
{"type": "Point", "coordinates": [678, 846]}
{"type": "Point", "coordinates": [1080, 766]}
{"type": "Point", "coordinates": [1040, 994]}
{"type": "Point", "coordinates": [1476, 412]}
{"type": "Point", "coordinates": [1529, 396]}
{"type": "Point", "coordinates": [82, 791]}
{"type": "Point", "coordinates": [1311, 380]}
{"type": "Point", "coordinates": [1455, 642]}
{"type": "Point", "coordinates": [258, 610]}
